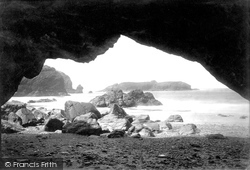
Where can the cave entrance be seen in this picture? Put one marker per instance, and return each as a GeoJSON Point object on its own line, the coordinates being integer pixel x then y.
{"type": "Point", "coordinates": [129, 61]}
{"type": "Point", "coordinates": [206, 101]}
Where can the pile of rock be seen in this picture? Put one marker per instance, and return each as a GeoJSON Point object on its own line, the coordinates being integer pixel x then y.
{"type": "Point", "coordinates": [131, 99]}
{"type": "Point", "coordinates": [84, 119]}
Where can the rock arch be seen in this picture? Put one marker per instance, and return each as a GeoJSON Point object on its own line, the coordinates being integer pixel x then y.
{"type": "Point", "coordinates": [211, 32]}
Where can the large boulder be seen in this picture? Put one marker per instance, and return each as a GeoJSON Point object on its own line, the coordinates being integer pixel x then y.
{"type": "Point", "coordinates": [142, 118]}
{"type": "Point", "coordinates": [53, 124]}
{"type": "Point", "coordinates": [145, 132]}
{"type": "Point", "coordinates": [153, 126]}
{"type": "Point", "coordinates": [188, 129]}
{"type": "Point", "coordinates": [12, 106]}
{"type": "Point", "coordinates": [57, 114]}
{"type": "Point", "coordinates": [40, 114]}
{"type": "Point", "coordinates": [91, 127]}
{"type": "Point", "coordinates": [73, 109]}
{"type": "Point", "coordinates": [115, 120]}
{"type": "Point", "coordinates": [8, 127]}
{"type": "Point", "coordinates": [174, 118]}
{"type": "Point", "coordinates": [26, 116]}
{"type": "Point", "coordinates": [13, 118]}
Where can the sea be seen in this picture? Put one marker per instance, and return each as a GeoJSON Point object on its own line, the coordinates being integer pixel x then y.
{"type": "Point", "coordinates": [210, 106]}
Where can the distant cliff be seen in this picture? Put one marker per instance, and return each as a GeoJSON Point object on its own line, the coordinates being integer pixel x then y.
{"type": "Point", "coordinates": [49, 82]}
{"type": "Point", "coordinates": [150, 86]}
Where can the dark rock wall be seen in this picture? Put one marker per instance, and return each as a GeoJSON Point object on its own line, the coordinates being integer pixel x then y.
{"type": "Point", "coordinates": [213, 32]}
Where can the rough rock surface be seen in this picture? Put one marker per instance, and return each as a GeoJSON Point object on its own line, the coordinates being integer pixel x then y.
{"type": "Point", "coordinates": [131, 99]}
{"type": "Point", "coordinates": [73, 109]}
{"type": "Point", "coordinates": [211, 32]}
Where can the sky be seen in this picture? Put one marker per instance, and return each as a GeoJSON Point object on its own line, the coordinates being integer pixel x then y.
{"type": "Point", "coordinates": [129, 61]}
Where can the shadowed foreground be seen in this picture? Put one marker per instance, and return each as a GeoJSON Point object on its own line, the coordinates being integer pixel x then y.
{"type": "Point", "coordinates": [81, 152]}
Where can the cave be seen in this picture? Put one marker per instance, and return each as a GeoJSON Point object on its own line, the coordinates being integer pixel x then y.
{"type": "Point", "coordinates": [211, 32]}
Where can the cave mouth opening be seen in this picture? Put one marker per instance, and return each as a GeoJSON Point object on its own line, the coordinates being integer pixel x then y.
{"type": "Point", "coordinates": [129, 61]}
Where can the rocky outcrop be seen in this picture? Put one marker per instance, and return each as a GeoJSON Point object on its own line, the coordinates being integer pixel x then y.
{"type": "Point", "coordinates": [131, 99]}
{"type": "Point", "coordinates": [79, 89]}
{"type": "Point", "coordinates": [68, 84]}
{"type": "Point", "coordinates": [41, 101]}
{"type": "Point", "coordinates": [211, 32]}
{"type": "Point", "coordinates": [48, 83]}
{"type": "Point", "coordinates": [150, 86]}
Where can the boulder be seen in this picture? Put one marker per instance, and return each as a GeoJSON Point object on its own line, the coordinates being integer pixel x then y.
{"type": "Point", "coordinates": [13, 118]}
{"type": "Point", "coordinates": [138, 127]}
{"type": "Point", "coordinates": [145, 132]}
{"type": "Point", "coordinates": [164, 125]}
{"type": "Point", "coordinates": [131, 129]}
{"type": "Point", "coordinates": [83, 128]}
{"type": "Point", "coordinates": [115, 120]}
{"type": "Point", "coordinates": [26, 115]}
{"type": "Point", "coordinates": [8, 127]}
{"type": "Point", "coordinates": [152, 126]}
{"type": "Point", "coordinates": [39, 114]}
{"type": "Point", "coordinates": [142, 117]}
{"type": "Point", "coordinates": [111, 122]}
{"type": "Point", "coordinates": [57, 114]}
{"type": "Point", "coordinates": [116, 134]}
{"type": "Point", "coordinates": [174, 118]}
{"type": "Point", "coordinates": [12, 106]}
{"type": "Point", "coordinates": [188, 129]}
{"type": "Point", "coordinates": [73, 109]}
{"type": "Point", "coordinates": [117, 111]}
{"type": "Point", "coordinates": [53, 125]}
